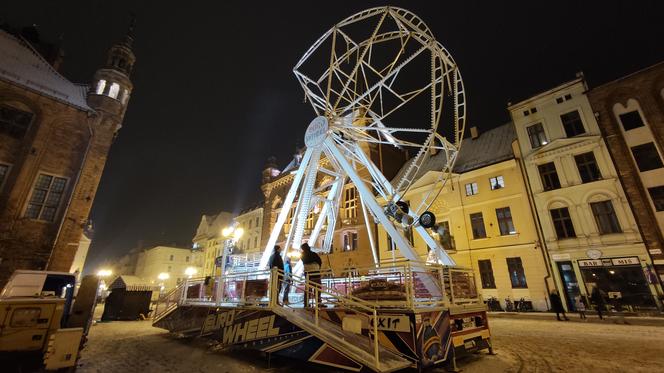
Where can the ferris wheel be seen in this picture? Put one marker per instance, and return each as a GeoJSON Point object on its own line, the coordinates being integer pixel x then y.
{"type": "Point", "coordinates": [376, 79]}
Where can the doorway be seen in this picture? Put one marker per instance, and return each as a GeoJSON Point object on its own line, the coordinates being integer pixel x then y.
{"type": "Point", "coordinates": [570, 283]}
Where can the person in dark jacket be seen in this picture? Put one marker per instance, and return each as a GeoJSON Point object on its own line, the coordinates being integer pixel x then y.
{"type": "Point", "coordinates": [557, 305]}
{"type": "Point", "coordinates": [312, 264]}
{"type": "Point", "coordinates": [597, 298]}
{"type": "Point", "coordinates": [276, 261]}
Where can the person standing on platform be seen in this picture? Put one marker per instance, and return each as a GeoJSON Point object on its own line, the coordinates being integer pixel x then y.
{"type": "Point", "coordinates": [277, 262]}
{"type": "Point", "coordinates": [557, 305]}
{"type": "Point", "coordinates": [288, 271]}
{"type": "Point", "coordinates": [312, 264]}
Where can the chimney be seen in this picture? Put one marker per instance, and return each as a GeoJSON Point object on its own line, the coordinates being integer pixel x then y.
{"type": "Point", "coordinates": [474, 133]}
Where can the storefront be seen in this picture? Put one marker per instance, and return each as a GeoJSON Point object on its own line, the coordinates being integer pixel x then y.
{"type": "Point", "coordinates": [622, 280]}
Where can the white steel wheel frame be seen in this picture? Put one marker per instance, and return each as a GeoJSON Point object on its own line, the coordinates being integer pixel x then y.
{"type": "Point", "coordinates": [349, 100]}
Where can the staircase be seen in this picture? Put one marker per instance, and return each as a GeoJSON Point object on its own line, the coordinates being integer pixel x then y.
{"type": "Point", "coordinates": [167, 303]}
{"type": "Point", "coordinates": [355, 346]}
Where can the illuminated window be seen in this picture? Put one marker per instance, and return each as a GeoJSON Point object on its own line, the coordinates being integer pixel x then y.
{"type": "Point", "coordinates": [350, 203]}
{"type": "Point", "coordinates": [350, 241]}
{"type": "Point", "coordinates": [477, 225]}
{"type": "Point", "coordinates": [471, 189]}
{"type": "Point", "coordinates": [46, 196]}
{"type": "Point", "coordinates": [101, 84]}
{"type": "Point", "coordinates": [517, 273]}
{"type": "Point", "coordinates": [505, 223]}
{"type": "Point", "coordinates": [536, 135]}
{"type": "Point", "coordinates": [497, 182]}
{"type": "Point", "coordinates": [114, 90]}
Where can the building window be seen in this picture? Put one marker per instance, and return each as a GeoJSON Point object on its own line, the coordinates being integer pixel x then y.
{"type": "Point", "coordinates": [445, 237]}
{"type": "Point", "coordinates": [390, 243]}
{"type": "Point", "coordinates": [171, 258]}
{"type": "Point", "coordinates": [169, 268]}
{"type": "Point", "coordinates": [605, 217]}
{"type": "Point", "coordinates": [631, 120]}
{"type": "Point", "coordinates": [536, 135]}
{"type": "Point", "coordinates": [4, 171]}
{"type": "Point", "coordinates": [350, 241]}
{"type": "Point", "coordinates": [257, 223]}
{"type": "Point", "coordinates": [250, 222]}
{"type": "Point", "coordinates": [572, 123]}
{"type": "Point", "coordinates": [14, 122]}
{"type": "Point", "coordinates": [471, 189]}
{"type": "Point", "coordinates": [350, 203]}
{"type": "Point", "coordinates": [114, 90]}
{"type": "Point", "coordinates": [549, 176]}
{"type": "Point", "coordinates": [256, 241]}
{"type": "Point", "coordinates": [497, 182]}
{"type": "Point", "coordinates": [505, 223]}
{"type": "Point", "coordinates": [486, 274]}
{"type": "Point", "coordinates": [657, 195]}
{"type": "Point", "coordinates": [186, 259]}
{"type": "Point", "coordinates": [101, 84]}
{"type": "Point", "coordinates": [562, 222]}
{"type": "Point", "coordinates": [587, 165]}
{"type": "Point", "coordinates": [517, 274]}
{"type": "Point", "coordinates": [477, 224]}
{"type": "Point", "coordinates": [46, 197]}
{"type": "Point", "coordinates": [646, 157]}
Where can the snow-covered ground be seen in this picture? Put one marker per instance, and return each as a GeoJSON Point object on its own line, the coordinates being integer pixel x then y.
{"type": "Point", "coordinates": [521, 346]}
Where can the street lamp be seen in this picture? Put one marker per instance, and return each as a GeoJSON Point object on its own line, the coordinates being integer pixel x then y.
{"type": "Point", "coordinates": [232, 234]}
{"type": "Point", "coordinates": [190, 272]}
{"type": "Point", "coordinates": [104, 273]}
{"type": "Point", "coordinates": [164, 276]}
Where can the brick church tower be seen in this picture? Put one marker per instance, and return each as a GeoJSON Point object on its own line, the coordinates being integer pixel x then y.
{"type": "Point", "coordinates": [54, 140]}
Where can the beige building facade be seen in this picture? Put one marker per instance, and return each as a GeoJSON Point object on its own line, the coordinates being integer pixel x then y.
{"type": "Point", "coordinates": [208, 239]}
{"type": "Point", "coordinates": [589, 230]}
{"type": "Point", "coordinates": [167, 266]}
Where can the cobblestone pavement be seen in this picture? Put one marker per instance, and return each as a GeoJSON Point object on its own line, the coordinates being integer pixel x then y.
{"type": "Point", "coordinates": [521, 346]}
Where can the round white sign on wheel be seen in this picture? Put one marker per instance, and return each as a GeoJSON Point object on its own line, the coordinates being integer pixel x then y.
{"type": "Point", "coordinates": [316, 132]}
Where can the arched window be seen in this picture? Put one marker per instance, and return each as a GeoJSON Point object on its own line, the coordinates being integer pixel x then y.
{"type": "Point", "coordinates": [101, 84]}
{"type": "Point", "coordinates": [113, 92]}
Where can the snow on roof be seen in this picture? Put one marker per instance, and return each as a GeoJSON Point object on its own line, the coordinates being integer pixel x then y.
{"type": "Point", "coordinates": [22, 65]}
{"type": "Point", "coordinates": [490, 147]}
{"type": "Point", "coordinates": [132, 283]}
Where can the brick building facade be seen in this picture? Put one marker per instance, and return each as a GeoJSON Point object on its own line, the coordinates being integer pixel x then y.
{"type": "Point", "coordinates": [54, 140]}
{"type": "Point", "coordinates": [630, 113]}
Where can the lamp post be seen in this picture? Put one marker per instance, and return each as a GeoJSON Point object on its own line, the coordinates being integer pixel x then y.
{"type": "Point", "coordinates": [232, 234]}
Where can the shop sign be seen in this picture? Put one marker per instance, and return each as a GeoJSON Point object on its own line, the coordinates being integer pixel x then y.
{"type": "Point", "coordinates": [560, 257]}
{"type": "Point", "coordinates": [626, 261]}
{"type": "Point", "coordinates": [655, 251]}
{"type": "Point", "coordinates": [590, 263]}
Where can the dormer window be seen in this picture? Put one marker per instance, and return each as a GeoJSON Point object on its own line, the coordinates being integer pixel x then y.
{"type": "Point", "coordinates": [114, 90]}
{"type": "Point", "coordinates": [101, 84]}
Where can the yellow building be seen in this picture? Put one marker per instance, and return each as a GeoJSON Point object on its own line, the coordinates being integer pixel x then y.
{"type": "Point", "coordinates": [485, 208]}
{"type": "Point", "coordinates": [588, 227]}
{"type": "Point", "coordinates": [208, 239]}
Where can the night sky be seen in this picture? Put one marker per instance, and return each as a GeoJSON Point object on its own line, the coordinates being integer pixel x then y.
{"type": "Point", "coordinates": [215, 95]}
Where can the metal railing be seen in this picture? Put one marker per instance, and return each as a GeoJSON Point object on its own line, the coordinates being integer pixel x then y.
{"type": "Point", "coordinates": [320, 297]}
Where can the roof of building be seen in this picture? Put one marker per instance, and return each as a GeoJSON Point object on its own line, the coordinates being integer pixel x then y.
{"type": "Point", "coordinates": [22, 65]}
{"type": "Point", "coordinates": [492, 146]}
{"type": "Point", "coordinates": [132, 283]}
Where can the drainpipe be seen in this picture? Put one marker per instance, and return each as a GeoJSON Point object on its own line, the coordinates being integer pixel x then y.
{"type": "Point", "coordinates": [71, 195]}
{"type": "Point", "coordinates": [538, 223]}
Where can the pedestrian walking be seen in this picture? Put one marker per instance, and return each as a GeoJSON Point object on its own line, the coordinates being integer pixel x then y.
{"type": "Point", "coordinates": [312, 264]}
{"type": "Point", "coordinates": [288, 271]}
{"type": "Point", "coordinates": [597, 298]}
{"type": "Point", "coordinates": [580, 307]}
{"type": "Point", "coordinates": [557, 305]}
{"type": "Point", "coordinates": [276, 261]}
